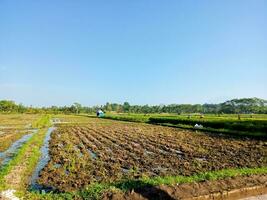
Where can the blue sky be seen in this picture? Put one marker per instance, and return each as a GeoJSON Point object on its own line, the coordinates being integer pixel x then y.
{"type": "Point", "coordinates": [142, 51]}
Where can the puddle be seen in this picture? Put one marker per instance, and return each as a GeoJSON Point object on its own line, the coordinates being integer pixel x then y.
{"type": "Point", "coordinates": [58, 121]}
{"type": "Point", "coordinates": [159, 169]}
{"type": "Point", "coordinates": [55, 120]}
{"type": "Point", "coordinates": [149, 152]}
{"type": "Point", "coordinates": [163, 152]}
{"type": "Point", "coordinates": [136, 145]}
{"type": "Point", "coordinates": [179, 152]}
{"type": "Point", "coordinates": [109, 150]}
{"type": "Point", "coordinates": [7, 155]}
{"type": "Point", "coordinates": [67, 172]}
{"type": "Point", "coordinates": [92, 154]}
{"type": "Point", "coordinates": [44, 159]}
{"type": "Point", "coordinates": [76, 148]}
{"type": "Point", "coordinates": [57, 166]}
{"type": "Point", "coordinates": [125, 170]}
{"type": "Point", "coordinates": [201, 159]}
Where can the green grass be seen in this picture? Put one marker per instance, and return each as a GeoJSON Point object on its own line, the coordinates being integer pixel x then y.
{"type": "Point", "coordinates": [128, 117]}
{"type": "Point", "coordinates": [215, 175]}
{"type": "Point", "coordinates": [230, 124]}
{"type": "Point", "coordinates": [258, 135]}
{"type": "Point", "coordinates": [42, 122]}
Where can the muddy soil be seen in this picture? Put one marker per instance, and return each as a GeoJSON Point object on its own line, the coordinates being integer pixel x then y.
{"type": "Point", "coordinates": [108, 152]}
{"type": "Point", "coordinates": [230, 188]}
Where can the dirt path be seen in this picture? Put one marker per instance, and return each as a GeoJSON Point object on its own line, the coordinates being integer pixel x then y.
{"type": "Point", "coordinates": [15, 178]}
{"type": "Point", "coordinates": [230, 188]}
{"type": "Point", "coordinates": [259, 197]}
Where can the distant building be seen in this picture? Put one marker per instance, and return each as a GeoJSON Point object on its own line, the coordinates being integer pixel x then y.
{"type": "Point", "coordinates": [100, 113]}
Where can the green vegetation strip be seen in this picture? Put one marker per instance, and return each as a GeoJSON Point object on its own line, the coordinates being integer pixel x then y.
{"type": "Point", "coordinates": [43, 122]}
{"type": "Point", "coordinates": [129, 118]}
{"type": "Point", "coordinates": [225, 124]}
{"type": "Point", "coordinates": [96, 190]}
{"type": "Point", "coordinates": [32, 147]}
{"type": "Point", "coordinates": [219, 131]}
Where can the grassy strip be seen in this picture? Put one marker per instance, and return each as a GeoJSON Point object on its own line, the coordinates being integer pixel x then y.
{"type": "Point", "coordinates": [233, 126]}
{"type": "Point", "coordinates": [255, 135]}
{"type": "Point", "coordinates": [32, 146]}
{"type": "Point", "coordinates": [34, 150]}
{"type": "Point", "coordinates": [96, 190]}
{"type": "Point", "coordinates": [228, 124]}
{"type": "Point", "coordinates": [129, 118]}
{"type": "Point", "coordinates": [170, 180]}
{"type": "Point", "coordinates": [43, 122]}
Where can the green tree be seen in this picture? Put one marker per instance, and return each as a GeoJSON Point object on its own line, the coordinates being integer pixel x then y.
{"type": "Point", "coordinates": [78, 107]}
{"type": "Point", "coordinates": [126, 107]}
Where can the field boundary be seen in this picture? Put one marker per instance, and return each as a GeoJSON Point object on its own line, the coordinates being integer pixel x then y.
{"type": "Point", "coordinates": [234, 194]}
{"type": "Point", "coordinates": [229, 132]}
{"type": "Point", "coordinates": [96, 191]}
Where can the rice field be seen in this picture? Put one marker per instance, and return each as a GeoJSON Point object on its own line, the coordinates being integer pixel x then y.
{"type": "Point", "coordinates": [81, 157]}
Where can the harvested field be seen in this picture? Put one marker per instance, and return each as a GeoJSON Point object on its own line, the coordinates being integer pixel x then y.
{"type": "Point", "coordinates": [108, 151]}
{"type": "Point", "coordinates": [16, 120]}
{"type": "Point", "coordinates": [13, 127]}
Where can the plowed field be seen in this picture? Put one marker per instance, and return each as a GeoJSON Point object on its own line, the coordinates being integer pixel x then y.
{"type": "Point", "coordinates": [100, 151]}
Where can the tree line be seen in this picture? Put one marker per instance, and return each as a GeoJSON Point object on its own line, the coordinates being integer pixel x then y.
{"type": "Point", "coordinates": [234, 106]}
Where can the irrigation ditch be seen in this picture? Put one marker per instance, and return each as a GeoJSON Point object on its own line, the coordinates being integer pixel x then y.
{"type": "Point", "coordinates": [44, 159]}
{"type": "Point", "coordinates": [7, 155]}
{"type": "Point", "coordinates": [22, 162]}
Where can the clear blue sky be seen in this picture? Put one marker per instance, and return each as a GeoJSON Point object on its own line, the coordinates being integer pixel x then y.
{"type": "Point", "coordinates": [141, 51]}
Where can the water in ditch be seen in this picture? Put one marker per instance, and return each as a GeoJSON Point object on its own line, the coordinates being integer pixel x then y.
{"type": "Point", "coordinates": [7, 155]}
{"type": "Point", "coordinates": [43, 161]}
{"type": "Point", "coordinates": [92, 154]}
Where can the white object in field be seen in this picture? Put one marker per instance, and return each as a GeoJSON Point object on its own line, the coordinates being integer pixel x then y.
{"type": "Point", "coordinates": [9, 195]}
{"type": "Point", "coordinates": [100, 113]}
{"type": "Point", "coordinates": [198, 126]}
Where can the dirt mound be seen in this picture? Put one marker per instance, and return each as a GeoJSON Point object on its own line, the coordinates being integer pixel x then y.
{"type": "Point", "coordinates": [230, 188]}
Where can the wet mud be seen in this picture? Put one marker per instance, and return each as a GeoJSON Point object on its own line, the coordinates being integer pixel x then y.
{"type": "Point", "coordinates": [98, 152]}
